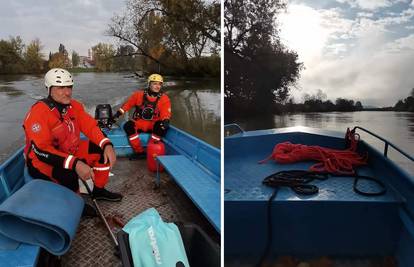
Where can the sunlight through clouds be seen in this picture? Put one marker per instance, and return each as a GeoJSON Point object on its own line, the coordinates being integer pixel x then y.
{"type": "Point", "coordinates": [363, 50]}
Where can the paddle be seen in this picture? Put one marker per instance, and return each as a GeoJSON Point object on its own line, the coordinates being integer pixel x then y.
{"type": "Point", "coordinates": [102, 216]}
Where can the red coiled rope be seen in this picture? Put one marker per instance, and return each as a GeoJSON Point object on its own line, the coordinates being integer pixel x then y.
{"type": "Point", "coordinates": [340, 162]}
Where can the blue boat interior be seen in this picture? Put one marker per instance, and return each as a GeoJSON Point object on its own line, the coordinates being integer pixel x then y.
{"type": "Point", "coordinates": [195, 166]}
{"type": "Point", "coordinates": [201, 159]}
{"type": "Point", "coordinates": [191, 162]}
{"type": "Point", "coordinates": [335, 222]}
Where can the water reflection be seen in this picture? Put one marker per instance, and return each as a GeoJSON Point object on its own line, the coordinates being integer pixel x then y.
{"type": "Point", "coordinates": [10, 91]}
{"type": "Point", "coordinates": [344, 118]}
{"type": "Point", "coordinates": [265, 121]}
{"type": "Point", "coordinates": [198, 112]}
{"type": "Point", "coordinates": [408, 118]}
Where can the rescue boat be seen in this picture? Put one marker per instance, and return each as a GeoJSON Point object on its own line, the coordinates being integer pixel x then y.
{"type": "Point", "coordinates": [323, 220]}
{"type": "Point", "coordinates": [187, 192]}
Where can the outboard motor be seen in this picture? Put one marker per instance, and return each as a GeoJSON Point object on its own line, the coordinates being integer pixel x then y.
{"type": "Point", "coordinates": [103, 114]}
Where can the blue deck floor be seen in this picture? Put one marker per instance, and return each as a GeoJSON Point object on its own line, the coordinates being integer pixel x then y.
{"type": "Point", "coordinates": [334, 222]}
{"type": "Point", "coordinates": [243, 181]}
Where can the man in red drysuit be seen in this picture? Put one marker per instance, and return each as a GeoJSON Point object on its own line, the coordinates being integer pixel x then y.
{"type": "Point", "coordinates": [152, 113]}
{"type": "Point", "coordinates": [53, 148]}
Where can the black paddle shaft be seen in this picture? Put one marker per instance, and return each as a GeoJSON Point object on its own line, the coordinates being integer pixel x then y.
{"type": "Point", "coordinates": [101, 214]}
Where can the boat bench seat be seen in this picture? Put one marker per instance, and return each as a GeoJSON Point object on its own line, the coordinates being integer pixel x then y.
{"type": "Point", "coordinates": [200, 185]}
{"type": "Point", "coordinates": [13, 176]}
{"type": "Point", "coordinates": [121, 144]}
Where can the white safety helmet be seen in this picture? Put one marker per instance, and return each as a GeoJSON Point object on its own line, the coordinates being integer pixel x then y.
{"type": "Point", "coordinates": [58, 77]}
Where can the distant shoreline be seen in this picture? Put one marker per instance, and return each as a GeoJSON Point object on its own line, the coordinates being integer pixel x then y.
{"type": "Point", "coordinates": [93, 70]}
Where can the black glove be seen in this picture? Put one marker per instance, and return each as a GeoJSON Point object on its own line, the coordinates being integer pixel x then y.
{"type": "Point", "coordinates": [116, 116]}
{"type": "Point", "coordinates": [161, 127]}
{"type": "Point", "coordinates": [164, 124]}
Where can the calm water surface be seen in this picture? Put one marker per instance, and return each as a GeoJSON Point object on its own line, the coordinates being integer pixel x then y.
{"type": "Point", "coordinates": [396, 127]}
{"type": "Point", "coordinates": [195, 103]}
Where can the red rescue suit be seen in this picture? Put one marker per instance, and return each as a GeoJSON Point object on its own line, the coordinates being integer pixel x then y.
{"type": "Point", "coordinates": [148, 111]}
{"type": "Point", "coordinates": [162, 109]}
{"type": "Point", "coordinates": [53, 142]}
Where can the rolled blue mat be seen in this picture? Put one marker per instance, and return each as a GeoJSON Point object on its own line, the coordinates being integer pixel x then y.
{"type": "Point", "coordinates": [42, 213]}
{"type": "Point", "coordinates": [7, 243]}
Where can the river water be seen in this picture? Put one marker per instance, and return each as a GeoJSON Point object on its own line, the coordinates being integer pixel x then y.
{"type": "Point", "coordinates": [396, 127]}
{"type": "Point", "coordinates": [195, 103]}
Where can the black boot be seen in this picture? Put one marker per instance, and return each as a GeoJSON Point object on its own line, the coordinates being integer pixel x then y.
{"type": "Point", "coordinates": [103, 194]}
{"type": "Point", "coordinates": [89, 211]}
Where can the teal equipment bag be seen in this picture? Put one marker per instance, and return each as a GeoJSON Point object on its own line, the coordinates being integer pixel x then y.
{"type": "Point", "coordinates": [154, 242]}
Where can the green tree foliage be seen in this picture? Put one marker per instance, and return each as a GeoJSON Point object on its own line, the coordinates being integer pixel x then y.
{"type": "Point", "coordinates": [126, 60]}
{"type": "Point", "coordinates": [62, 49]}
{"type": "Point", "coordinates": [358, 106]}
{"type": "Point", "coordinates": [33, 57]}
{"type": "Point", "coordinates": [171, 35]}
{"type": "Point", "coordinates": [318, 103]}
{"type": "Point", "coordinates": [60, 59]}
{"type": "Point", "coordinates": [407, 104]}
{"type": "Point", "coordinates": [11, 55]}
{"type": "Point", "coordinates": [75, 59]}
{"type": "Point", "coordinates": [152, 34]}
{"type": "Point", "coordinates": [103, 56]}
{"type": "Point", "coordinates": [343, 104]}
{"type": "Point", "coordinates": [258, 69]}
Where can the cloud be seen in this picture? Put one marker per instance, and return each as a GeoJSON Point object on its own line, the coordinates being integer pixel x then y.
{"type": "Point", "coordinates": [400, 45]}
{"type": "Point", "coordinates": [367, 4]}
{"type": "Point", "coordinates": [308, 31]}
{"type": "Point", "coordinates": [365, 14]}
{"type": "Point", "coordinates": [77, 24]}
{"type": "Point", "coordinates": [403, 17]}
{"type": "Point", "coordinates": [360, 59]}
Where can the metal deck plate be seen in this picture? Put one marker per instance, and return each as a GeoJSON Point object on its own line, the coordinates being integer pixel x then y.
{"type": "Point", "coordinates": [244, 176]}
{"type": "Point", "coordinates": [92, 245]}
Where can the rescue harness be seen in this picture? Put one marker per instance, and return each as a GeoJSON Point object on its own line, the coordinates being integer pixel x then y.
{"type": "Point", "coordinates": [148, 109]}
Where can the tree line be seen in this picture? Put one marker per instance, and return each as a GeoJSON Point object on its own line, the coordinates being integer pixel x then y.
{"type": "Point", "coordinates": [16, 57]}
{"type": "Point", "coordinates": [173, 37]}
{"type": "Point", "coordinates": [406, 104]}
{"type": "Point", "coordinates": [176, 37]}
{"type": "Point", "coordinates": [318, 102]}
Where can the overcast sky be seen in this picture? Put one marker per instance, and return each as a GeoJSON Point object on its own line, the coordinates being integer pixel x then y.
{"type": "Point", "coordinates": [78, 24]}
{"type": "Point", "coordinates": [359, 49]}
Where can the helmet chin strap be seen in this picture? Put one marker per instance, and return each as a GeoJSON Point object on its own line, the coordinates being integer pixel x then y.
{"type": "Point", "coordinates": [152, 93]}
